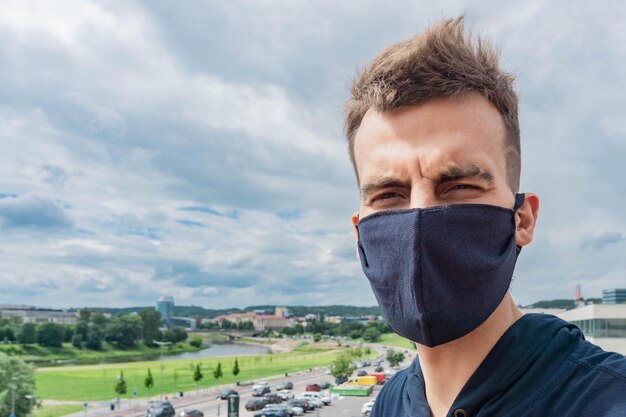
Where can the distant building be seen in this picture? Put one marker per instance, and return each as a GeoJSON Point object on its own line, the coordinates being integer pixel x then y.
{"type": "Point", "coordinates": [333, 319]}
{"type": "Point", "coordinates": [165, 306]}
{"type": "Point", "coordinates": [260, 322]}
{"type": "Point", "coordinates": [37, 316]}
{"type": "Point", "coordinates": [614, 296]}
{"type": "Point", "coordinates": [602, 324]}
{"type": "Point", "coordinates": [282, 311]}
{"type": "Point", "coordinates": [184, 322]}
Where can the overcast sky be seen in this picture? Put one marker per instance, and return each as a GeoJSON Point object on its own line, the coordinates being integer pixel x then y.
{"type": "Point", "coordinates": [195, 148]}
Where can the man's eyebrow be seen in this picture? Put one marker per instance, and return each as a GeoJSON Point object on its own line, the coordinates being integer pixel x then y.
{"type": "Point", "coordinates": [378, 183]}
{"type": "Point", "coordinates": [465, 171]}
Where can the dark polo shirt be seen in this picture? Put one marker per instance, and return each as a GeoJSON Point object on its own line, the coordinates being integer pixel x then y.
{"type": "Point", "coordinates": [540, 367]}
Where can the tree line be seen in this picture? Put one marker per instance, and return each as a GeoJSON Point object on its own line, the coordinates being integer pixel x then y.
{"type": "Point", "coordinates": [92, 330]}
{"type": "Point", "coordinates": [371, 331]}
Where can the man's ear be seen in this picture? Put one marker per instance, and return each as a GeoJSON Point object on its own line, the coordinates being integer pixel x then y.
{"type": "Point", "coordinates": [355, 221]}
{"type": "Point", "coordinates": [526, 219]}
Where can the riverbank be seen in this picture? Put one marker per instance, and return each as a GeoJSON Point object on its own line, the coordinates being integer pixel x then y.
{"type": "Point", "coordinates": [45, 356]}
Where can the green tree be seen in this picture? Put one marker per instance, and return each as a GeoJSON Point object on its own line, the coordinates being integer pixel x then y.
{"type": "Point", "coordinates": [99, 319]}
{"type": "Point", "coordinates": [95, 337]}
{"type": "Point", "coordinates": [196, 342]}
{"type": "Point", "coordinates": [17, 375]}
{"type": "Point", "coordinates": [120, 386]}
{"type": "Point", "coordinates": [77, 341]}
{"type": "Point", "coordinates": [371, 335]}
{"type": "Point", "coordinates": [394, 358]}
{"type": "Point", "coordinates": [236, 368]}
{"type": "Point", "coordinates": [148, 381]}
{"type": "Point", "coordinates": [7, 334]}
{"type": "Point", "coordinates": [28, 333]}
{"type": "Point", "coordinates": [217, 373]}
{"type": "Point", "coordinates": [50, 335]}
{"type": "Point", "coordinates": [82, 329]}
{"type": "Point", "coordinates": [68, 333]}
{"type": "Point", "coordinates": [342, 367]}
{"type": "Point", "coordinates": [317, 337]}
{"type": "Point", "coordinates": [84, 315]}
{"type": "Point", "coordinates": [123, 330]}
{"type": "Point", "coordinates": [197, 375]}
{"type": "Point", "coordinates": [151, 321]}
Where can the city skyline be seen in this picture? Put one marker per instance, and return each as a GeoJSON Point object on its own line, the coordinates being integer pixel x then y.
{"type": "Point", "coordinates": [198, 151]}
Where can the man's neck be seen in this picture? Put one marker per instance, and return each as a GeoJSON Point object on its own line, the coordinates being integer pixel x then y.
{"type": "Point", "coordinates": [448, 367]}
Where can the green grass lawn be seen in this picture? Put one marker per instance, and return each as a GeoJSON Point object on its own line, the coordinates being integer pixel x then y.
{"type": "Point", "coordinates": [56, 410]}
{"type": "Point", "coordinates": [392, 339]}
{"type": "Point", "coordinates": [96, 382]}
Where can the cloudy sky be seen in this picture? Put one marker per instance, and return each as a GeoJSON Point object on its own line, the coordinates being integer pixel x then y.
{"type": "Point", "coordinates": [195, 149]}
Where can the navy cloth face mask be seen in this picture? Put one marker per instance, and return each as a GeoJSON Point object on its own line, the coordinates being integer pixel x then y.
{"type": "Point", "coordinates": [439, 272]}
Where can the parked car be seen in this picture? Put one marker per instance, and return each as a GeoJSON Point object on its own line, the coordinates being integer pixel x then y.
{"type": "Point", "coordinates": [325, 385]}
{"type": "Point", "coordinates": [284, 385]}
{"type": "Point", "coordinates": [313, 387]}
{"type": "Point", "coordinates": [302, 403]}
{"type": "Point", "coordinates": [255, 404]}
{"type": "Point", "coordinates": [273, 412]}
{"type": "Point", "coordinates": [161, 409]}
{"type": "Point", "coordinates": [361, 372]}
{"type": "Point", "coordinates": [260, 390]}
{"type": "Point", "coordinates": [323, 398]}
{"type": "Point", "coordinates": [285, 394]}
{"type": "Point", "coordinates": [378, 368]}
{"type": "Point", "coordinates": [273, 398]}
{"type": "Point", "coordinates": [191, 413]}
{"type": "Point", "coordinates": [226, 392]}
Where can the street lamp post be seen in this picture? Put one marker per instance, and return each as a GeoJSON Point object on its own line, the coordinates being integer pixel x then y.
{"type": "Point", "coordinates": [30, 404]}
{"type": "Point", "coordinates": [13, 379]}
{"type": "Point", "coordinates": [162, 344]}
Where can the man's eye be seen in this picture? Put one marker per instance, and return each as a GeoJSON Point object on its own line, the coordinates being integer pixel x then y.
{"type": "Point", "coordinates": [385, 196]}
{"type": "Point", "coordinates": [463, 187]}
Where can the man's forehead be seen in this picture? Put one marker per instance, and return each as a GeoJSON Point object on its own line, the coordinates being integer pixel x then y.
{"type": "Point", "coordinates": [452, 126]}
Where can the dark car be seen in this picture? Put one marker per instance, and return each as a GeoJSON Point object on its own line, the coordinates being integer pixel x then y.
{"type": "Point", "coordinates": [161, 409]}
{"type": "Point", "coordinates": [191, 413]}
{"type": "Point", "coordinates": [259, 391]}
{"type": "Point", "coordinates": [272, 398]}
{"type": "Point", "coordinates": [340, 380]}
{"type": "Point", "coordinates": [313, 387]}
{"type": "Point", "coordinates": [284, 385]}
{"type": "Point", "coordinates": [273, 412]}
{"type": "Point", "coordinates": [255, 404]}
{"type": "Point", "coordinates": [361, 372]}
{"type": "Point", "coordinates": [226, 392]}
{"type": "Point", "coordinates": [325, 385]}
{"type": "Point", "coordinates": [379, 369]}
{"type": "Point", "coordinates": [303, 404]}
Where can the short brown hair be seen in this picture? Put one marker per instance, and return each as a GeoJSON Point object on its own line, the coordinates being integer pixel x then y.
{"type": "Point", "coordinates": [444, 61]}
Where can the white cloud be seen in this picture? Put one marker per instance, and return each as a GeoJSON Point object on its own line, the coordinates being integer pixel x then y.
{"type": "Point", "coordinates": [116, 117]}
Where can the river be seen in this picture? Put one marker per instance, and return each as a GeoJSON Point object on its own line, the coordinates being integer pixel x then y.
{"type": "Point", "coordinates": [218, 349]}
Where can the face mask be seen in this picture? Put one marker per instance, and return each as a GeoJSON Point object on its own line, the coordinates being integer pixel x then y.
{"type": "Point", "coordinates": [439, 272]}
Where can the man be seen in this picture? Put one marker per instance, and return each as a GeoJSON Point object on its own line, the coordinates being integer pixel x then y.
{"type": "Point", "coordinates": [434, 138]}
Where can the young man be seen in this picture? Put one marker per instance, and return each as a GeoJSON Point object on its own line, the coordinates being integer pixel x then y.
{"type": "Point", "coordinates": [434, 138]}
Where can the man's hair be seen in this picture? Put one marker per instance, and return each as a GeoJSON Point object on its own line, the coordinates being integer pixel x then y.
{"type": "Point", "coordinates": [444, 61]}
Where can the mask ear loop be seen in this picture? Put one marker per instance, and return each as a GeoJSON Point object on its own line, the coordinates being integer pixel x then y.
{"type": "Point", "coordinates": [519, 201]}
